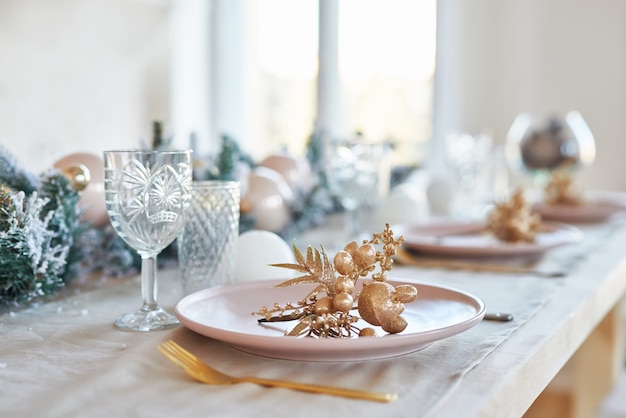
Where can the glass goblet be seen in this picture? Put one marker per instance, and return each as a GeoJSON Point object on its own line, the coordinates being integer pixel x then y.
{"type": "Point", "coordinates": [538, 146]}
{"type": "Point", "coordinates": [146, 193]}
{"type": "Point", "coordinates": [358, 176]}
{"type": "Point", "coordinates": [468, 155]}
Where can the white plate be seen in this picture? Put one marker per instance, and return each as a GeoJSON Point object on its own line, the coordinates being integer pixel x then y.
{"type": "Point", "coordinates": [225, 314]}
{"type": "Point", "coordinates": [471, 239]}
{"type": "Point", "coordinates": [588, 212]}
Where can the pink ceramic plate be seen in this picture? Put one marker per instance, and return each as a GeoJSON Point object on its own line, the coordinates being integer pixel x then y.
{"type": "Point", "coordinates": [589, 212]}
{"type": "Point", "coordinates": [471, 239]}
{"type": "Point", "coordinates": [224, 313]}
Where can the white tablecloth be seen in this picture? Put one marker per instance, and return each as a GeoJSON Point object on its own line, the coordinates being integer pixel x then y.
{"type": "Point", "coordinates": [64, 358]}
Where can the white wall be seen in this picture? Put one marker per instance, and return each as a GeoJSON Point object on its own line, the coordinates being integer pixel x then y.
{"type": "Point", "coordinates": [81, 75]}
{"type": "Point", "coordinates": [502, 58]}
{"type": "Point", "coordinates": [84, 75]}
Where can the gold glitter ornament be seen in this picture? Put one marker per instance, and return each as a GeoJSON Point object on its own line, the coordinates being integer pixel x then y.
{"type": "Point", "coordinates": [405, 293]}
{"type": "Point", "coordinates": [397, 325]}
{"type": "Point", "coordinates": [323, 306]}
{"type": "Point", "coordinates": [343, 302]}
{"type": "Point", "coordinates": [367, 332]}
{"type": "Point", "coordinates": [513, 220]}
{"type": "Point", "coordinates": [344, 264]}
{"type": "Point", "coordinates": [351, 248]}
{"type": "Point", "coordinates": [327, 310]}
{"type": "Point", "coordinates": [562, 190]}
{"type": "Point", "coordinates": [365, 256]}
{"type": "Point", "coordinates": [344, 284]}
{"type": "Point", "coordinates": [378, 304]}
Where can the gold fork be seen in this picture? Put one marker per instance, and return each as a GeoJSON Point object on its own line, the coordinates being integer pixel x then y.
{"type": "Point", "coordinates": [206, 374]}
{"type": "Point", "coordinates": [407, 259]}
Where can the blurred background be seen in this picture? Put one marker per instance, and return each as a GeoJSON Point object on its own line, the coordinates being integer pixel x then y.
{"type": "Point", "coordinates": [85, 75]}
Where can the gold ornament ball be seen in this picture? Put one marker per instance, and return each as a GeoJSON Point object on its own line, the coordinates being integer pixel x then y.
{"type": "Point", "coordinates": [365, 256]}
{"type": "Point", "coordinates": [343, 302]}
{"type": "Point", "coordinates": [344, 264]}
{"type": "Point", "coordinates": [344, 284]}
{"type": "Point", "coordinates": [323, 306]}
{"type": "Point", "coordinates": [399, 324]}
{"type": "Point", "coordinates": [376, 303]}
{"type": "Point", "coordinates": [79, 175]}
{"type": "Point", "coordinates": [351, 248]}
{"type": "Point", "coordinates": [367, 332]}
{"type": "Point", "coordinates": [405, 293]}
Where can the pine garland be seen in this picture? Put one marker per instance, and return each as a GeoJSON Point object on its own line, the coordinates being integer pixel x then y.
{"type": "Point", "coordinates": [32, 260]}
{"type": "Point", "coordinates": [43, 242]}
{"type": "Point", "coordinates": [65, 221]}
{"type": "Point", "coordinates": [228, 164]}
{"type": "Point", "coordinates": [14, 176]}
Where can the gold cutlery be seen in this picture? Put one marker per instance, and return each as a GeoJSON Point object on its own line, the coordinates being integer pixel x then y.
{"type": "Point", "coordinates": [206, 374]}
{"type": "Point", "coordinates": [404, 257]}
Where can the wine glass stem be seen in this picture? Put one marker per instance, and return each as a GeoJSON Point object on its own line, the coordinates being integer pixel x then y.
{"type": "Point", "coordinates": [149, 282]}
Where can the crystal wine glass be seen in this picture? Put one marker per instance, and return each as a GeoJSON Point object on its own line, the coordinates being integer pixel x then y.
{"type": "Point", "coordinates": [468, 156]}
{"type": "Point", "coordinates": [146, 193]}
{"type": "Point", "coordinates": [358, 175]}
{"type": "Point", "coordinates": [538, 146]}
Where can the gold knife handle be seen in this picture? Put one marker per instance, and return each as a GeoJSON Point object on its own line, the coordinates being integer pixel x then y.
{"type": "Point", "coordinates": [308, 387]}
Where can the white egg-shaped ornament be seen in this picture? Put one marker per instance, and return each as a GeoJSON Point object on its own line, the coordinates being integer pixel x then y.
{"type": "Point", "coordinates": [91, 199]}
{"type": "Point", "coordinates": [405, 204]}
{"type": "Point", "coordinates": [256, 250]}
{"type": "Point", "coordinates": [267, 200]}
{"type": "Point", "coordinates": [440, 193]}
{"type": "Point", "coordinates": [295, 171]}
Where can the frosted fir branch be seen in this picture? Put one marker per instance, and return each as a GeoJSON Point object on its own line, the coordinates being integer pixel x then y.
{"type": "Point", "coordinates": [31, 264]}
{"type": "Point", "coordinates": [65, 222]}
{"type": "Point", "coordinates": [14, 175]}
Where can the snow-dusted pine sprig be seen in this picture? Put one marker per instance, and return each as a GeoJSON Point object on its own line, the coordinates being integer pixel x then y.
{"type": "Point", "coordinates": [31, 262]}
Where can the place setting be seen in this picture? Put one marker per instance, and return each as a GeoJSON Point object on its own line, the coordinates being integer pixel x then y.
{"type": "Point", "coordinates": [553, 152]}
{"type": "Point", "coordinates": [340, 310]}
{"type": "Point", "coordinates": [512, 238]}
{"type": "Point", "coordinates": [319, 313]}
{"type": "Point", "coordinates": [563, 201]}
{"type": "Point", "coordinates": [535, 228]}
{"type": "Point", "coordinates": [334, 307]}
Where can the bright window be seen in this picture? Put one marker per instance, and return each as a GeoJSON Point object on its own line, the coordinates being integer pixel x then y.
{"type": "Point", "coordinates": [386, 64]}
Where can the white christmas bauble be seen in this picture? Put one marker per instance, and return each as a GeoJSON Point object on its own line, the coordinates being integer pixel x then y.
{"type": "Point", "coordinates": [256, 250]}
{"type": "Point", "coordinates": [403, 208]}
{"type": "Point", "coordinates": [440, 193]}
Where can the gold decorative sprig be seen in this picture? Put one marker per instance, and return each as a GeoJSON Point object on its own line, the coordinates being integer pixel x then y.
{"type": "Point", "coordinates": [326, 311]}
{"type": "Point", "coordinates": [513, 220]}
{"type": "Point", "coordinates": [561, 189]}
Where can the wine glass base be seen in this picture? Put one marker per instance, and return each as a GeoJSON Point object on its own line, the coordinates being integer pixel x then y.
{"type": "Point", "coordinates": [147, 320]}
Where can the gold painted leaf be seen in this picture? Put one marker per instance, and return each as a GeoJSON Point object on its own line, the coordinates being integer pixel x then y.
{"type": "Point", "coordinates": [317, 266]}
{"type": "Point", "coordinates": [298, 280]}
{"type": "Point", "coordinates": [328, 274]}
{"type": "Point", "coordinates": [309, 258]}
{"type": "Point", "coordinates": [291, 266]}
{"type": "Point", "coordinates": [298, 255]}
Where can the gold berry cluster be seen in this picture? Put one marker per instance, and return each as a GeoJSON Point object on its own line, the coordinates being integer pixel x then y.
{"type": "Point", "coordinates": [326, 311]}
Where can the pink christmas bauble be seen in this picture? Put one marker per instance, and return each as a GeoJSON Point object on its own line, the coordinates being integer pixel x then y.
{"type": "Point", "coordinates": [267, 199]}
{"type": "Point", "coordinates": [92, 197]}
{"type": "Point", "coordinates": [295, 171]}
